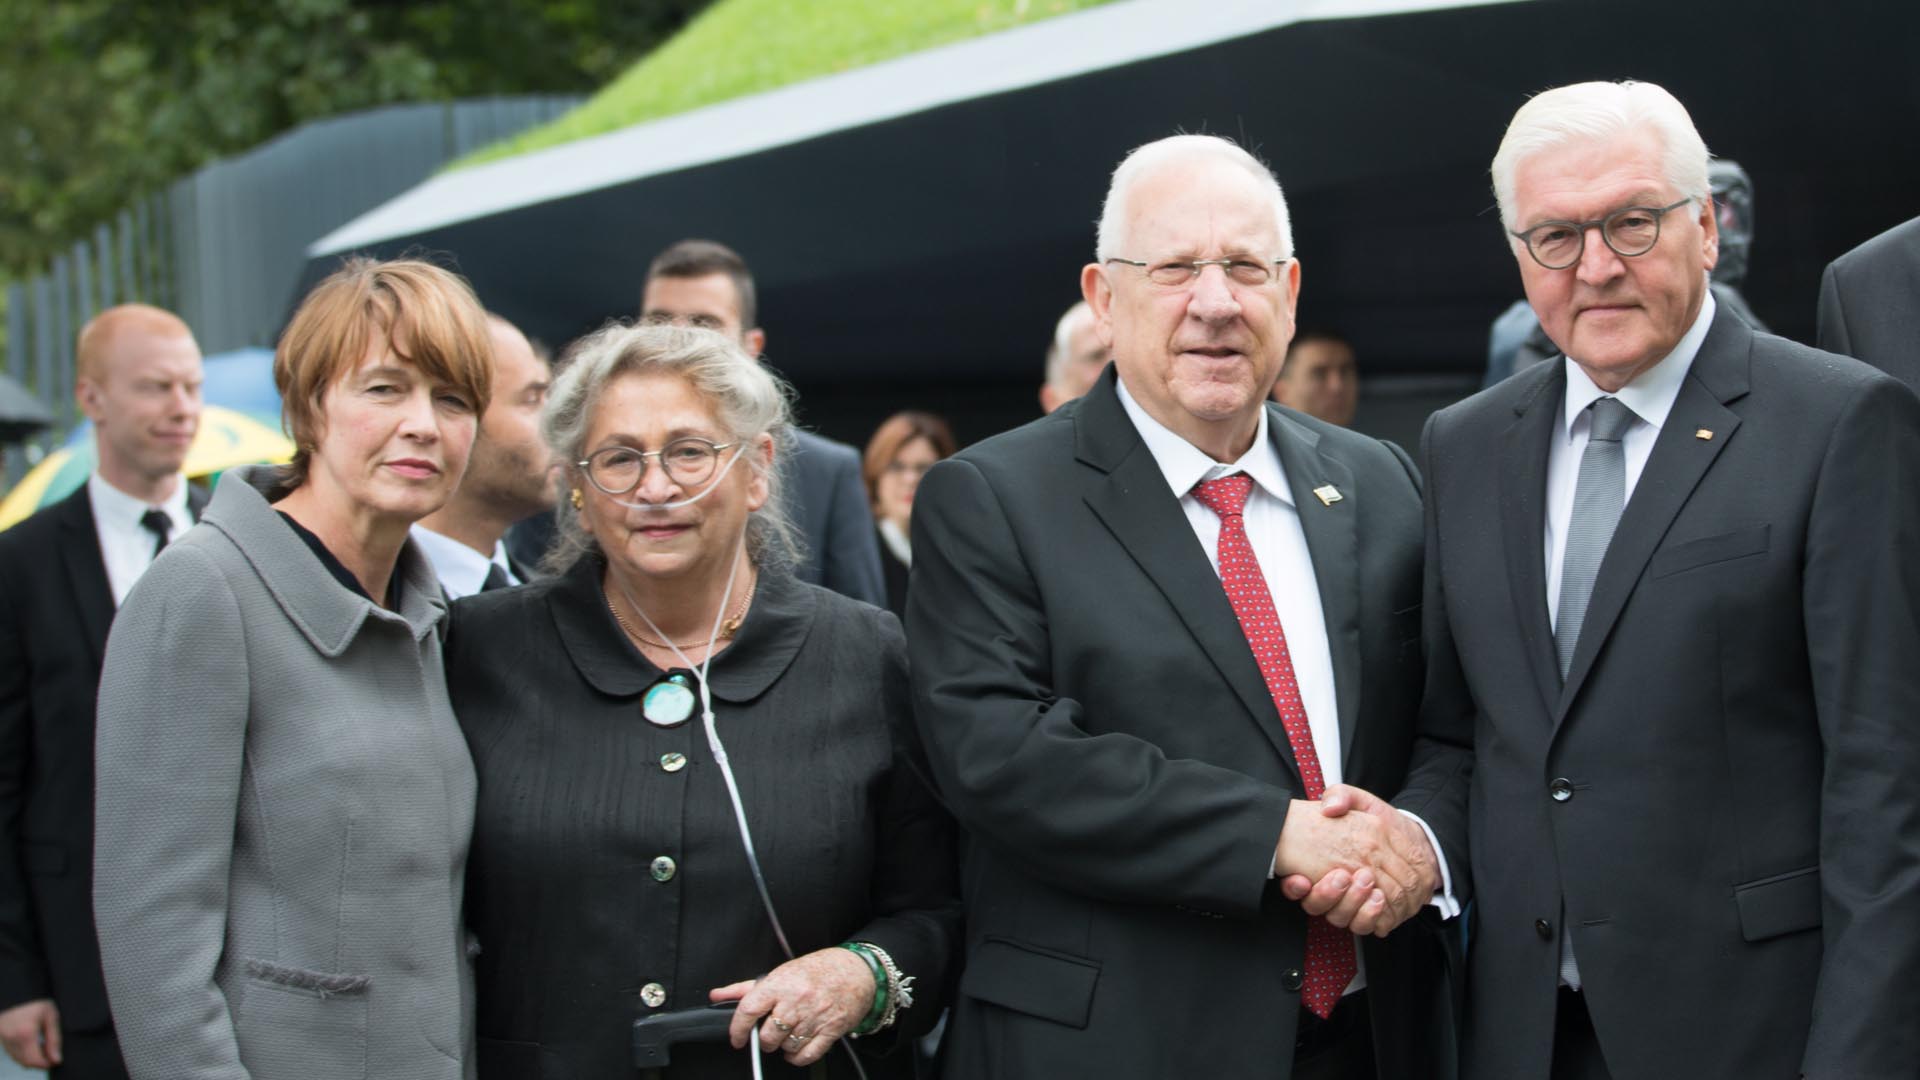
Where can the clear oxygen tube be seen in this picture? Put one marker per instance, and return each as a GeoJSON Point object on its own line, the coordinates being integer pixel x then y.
{"type": "Point", "coordinates": [714, 744]}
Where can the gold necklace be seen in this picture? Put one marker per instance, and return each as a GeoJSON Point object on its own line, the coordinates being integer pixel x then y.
{"type": "Point", "coordinates": [727, 628]}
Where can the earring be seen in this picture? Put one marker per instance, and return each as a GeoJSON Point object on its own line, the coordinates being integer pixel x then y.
{"type": "Point", "coordinates": [577, 500]}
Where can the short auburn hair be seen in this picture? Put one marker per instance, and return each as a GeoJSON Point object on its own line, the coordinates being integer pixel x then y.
{"type": "Point", "coordinates": [426, 316]}
{"type": "Point", "coordinates": [897, 431]}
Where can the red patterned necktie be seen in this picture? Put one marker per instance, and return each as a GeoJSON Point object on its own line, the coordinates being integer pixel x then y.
{"type": "Point", "coordinates": [1330, 960]}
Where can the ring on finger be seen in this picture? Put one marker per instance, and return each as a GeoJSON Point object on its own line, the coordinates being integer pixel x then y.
{"type": "Point", "coordinates": [785, 1028]}
{"type": "Point", "coordinates": [798, 1040]}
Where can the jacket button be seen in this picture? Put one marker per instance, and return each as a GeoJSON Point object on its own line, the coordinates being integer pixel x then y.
{"type": "Point", "coordinates": [1544, 929]}
{"type": "Point", "coordinates": [662, 869]}
{"type": "Point", "coordinates": [654, 995]}
{"type": "Point", "coordinates": [1561, 788]}
{"type": "Point", "coordinates": [673, 762]}
{"type": "Point", "coordinates": [1293, 978]}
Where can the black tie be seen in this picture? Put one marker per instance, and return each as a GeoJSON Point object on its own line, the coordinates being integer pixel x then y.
{"type": "Point", "coordinates": [160, 525]}
{"type": "Point", "coordinates": [496, 578]}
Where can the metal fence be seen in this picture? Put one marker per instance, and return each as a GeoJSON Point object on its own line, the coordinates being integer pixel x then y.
{"type": "Point", "coordinates": [224, 248]}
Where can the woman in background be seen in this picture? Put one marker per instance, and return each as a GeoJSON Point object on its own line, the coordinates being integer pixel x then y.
{"type": "Point", "coordinates": [284, 798]}
{"type": "Point", "coordinates": [901, 451]}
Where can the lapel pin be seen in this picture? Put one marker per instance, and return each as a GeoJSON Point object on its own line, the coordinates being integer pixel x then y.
{"type": "Point", "coordinates": [1328, 494]}
{"type": "Point", "coordinates": [1703, 434]}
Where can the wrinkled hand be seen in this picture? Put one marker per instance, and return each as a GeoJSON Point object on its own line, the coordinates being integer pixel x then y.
{"type": "Point", "coordinates": [31, 1033]}
{"type": "Point", "coordinates": [1369, 878]}
{"type": "Point", "coordinates": [817, 997]}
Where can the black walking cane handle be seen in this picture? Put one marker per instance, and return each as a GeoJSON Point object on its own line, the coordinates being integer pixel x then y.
{"type": "Point", "coordinates": [654, 1036]}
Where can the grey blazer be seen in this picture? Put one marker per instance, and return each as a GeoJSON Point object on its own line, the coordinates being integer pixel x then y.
{"type": "Point", "coordinates": [283, 807]}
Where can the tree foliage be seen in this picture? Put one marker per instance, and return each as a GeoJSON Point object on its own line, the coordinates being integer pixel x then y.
{"type": "Point", "coordinates": [102, 101]}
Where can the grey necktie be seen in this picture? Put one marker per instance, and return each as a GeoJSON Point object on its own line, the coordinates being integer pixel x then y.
{"type": "Point", "coordinates": [1598, 496]}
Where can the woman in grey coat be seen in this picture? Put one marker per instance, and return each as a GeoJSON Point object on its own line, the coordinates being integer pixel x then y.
{"type": "Point", "coordinates": [284, 799]}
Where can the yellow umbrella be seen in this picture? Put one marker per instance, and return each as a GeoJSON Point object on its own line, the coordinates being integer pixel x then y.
{"type": "Point", "coordinates": [226, 439]}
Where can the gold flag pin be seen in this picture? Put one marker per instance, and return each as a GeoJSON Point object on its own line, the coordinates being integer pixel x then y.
{"type": "Point", "coordinates": [1703, 434]}
{"type": "Point", "coordinates": [1328, 494]}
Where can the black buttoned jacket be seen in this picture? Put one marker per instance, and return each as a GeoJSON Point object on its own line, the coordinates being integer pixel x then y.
{"type": "Point", "coordinates": [575, 914]}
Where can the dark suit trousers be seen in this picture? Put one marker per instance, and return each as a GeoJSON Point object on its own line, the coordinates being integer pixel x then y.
{"type": "Point", "coordinates": [1339, 1047]}
{"type": "Point", "coordinates": [1576, 1049]}
{"type": "Point", "coordinates": [89, 1055]}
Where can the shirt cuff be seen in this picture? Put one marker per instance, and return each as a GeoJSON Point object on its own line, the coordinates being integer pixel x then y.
{"type": "Point", "coordinates": [1444, 899]}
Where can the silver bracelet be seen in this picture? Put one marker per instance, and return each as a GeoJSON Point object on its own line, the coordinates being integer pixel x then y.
{"type": "Point", "coordinates": [899, 987]}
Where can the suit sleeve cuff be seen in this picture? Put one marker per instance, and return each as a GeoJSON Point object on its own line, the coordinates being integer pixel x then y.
{"type": "Point", "coordinates": [1443, 900]}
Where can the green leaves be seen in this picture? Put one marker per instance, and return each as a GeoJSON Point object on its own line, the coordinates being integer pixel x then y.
{"type": "Point", "coordinates": [103, 101]}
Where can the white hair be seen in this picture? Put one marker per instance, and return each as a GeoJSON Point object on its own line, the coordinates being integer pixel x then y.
{"type": "Point", "coordinates": [1151, 157]}
{"type": "Point", "coordinates": [1061, 350]}
{"type": "Point", "coordinates": [1592, 111]}
{"type": "Point", "coordinates": [747, 400]}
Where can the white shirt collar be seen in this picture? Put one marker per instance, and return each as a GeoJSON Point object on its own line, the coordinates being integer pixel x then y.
{"type": "Point", "coordinates": [1652, 393]}
{"type": "Point", "coordinates": [461, 570]}
{"type": "Point", "coordinates": [896, 540]}
{"type": "Point", "coordinates": [1184, 464]}
{"type": "Point", "coordinates": [118, 510]}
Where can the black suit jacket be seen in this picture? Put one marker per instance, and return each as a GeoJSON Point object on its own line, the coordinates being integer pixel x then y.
{"type": "Point", "coordinates": [1723, 799]}
{"type": "Point", "coordinates": [1870, 303]}
{"type": "Point", "coordinates": [828, 503]}
{"type": "Point", "coordinates": [1097, 722]}
{"type": "Point", "coordinates": [55, 609]}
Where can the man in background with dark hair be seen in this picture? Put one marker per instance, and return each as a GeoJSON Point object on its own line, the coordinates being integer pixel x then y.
{"type": "Point", "coordinates": [1320, 378]}
{"type": "Point", "coordinates": [705, 284]}
{"type": "Point", "coordinates": [508, 480]}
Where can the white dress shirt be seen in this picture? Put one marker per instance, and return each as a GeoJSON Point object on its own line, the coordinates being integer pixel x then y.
{"type": "Point", "coordinates": [461, 570]}
{"type": "Point", "coordinates": [896, 540]}
{"type": "Point", "coordinates": [126, 546]}
{"type": "Point", "coordinates": [1280, 546]}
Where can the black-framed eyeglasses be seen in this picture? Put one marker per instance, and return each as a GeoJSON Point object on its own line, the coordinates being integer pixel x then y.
{"type": "Point", "coordinates": [617, 470]}
{"type": "Point", "coordinates": [1629, 231]}
{"type": "Point", "coordinates": [1240, 269]}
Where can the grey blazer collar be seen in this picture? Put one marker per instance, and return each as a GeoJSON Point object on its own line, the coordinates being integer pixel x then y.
{"type": "Point", "coordinates": [775, 627]}
{"type": "Point", "coordinates": [328, 613]}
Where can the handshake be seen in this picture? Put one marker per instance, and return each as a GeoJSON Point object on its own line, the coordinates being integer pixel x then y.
{"type": "Point", "coordinates": [1356, 860]}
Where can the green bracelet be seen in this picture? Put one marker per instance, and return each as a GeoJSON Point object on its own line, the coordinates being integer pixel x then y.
{"type": "Point", "coordinates": [872, 1021]}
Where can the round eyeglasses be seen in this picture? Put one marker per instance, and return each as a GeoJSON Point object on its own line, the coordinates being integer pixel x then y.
{"type": "Point", "coordinates": [617, 470]}
{"type": "Point", "coordinates": [1631, 231]}
{"type": "Point", "coordinates": [1240, 269]}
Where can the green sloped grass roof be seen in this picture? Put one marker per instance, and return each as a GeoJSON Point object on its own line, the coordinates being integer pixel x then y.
{"type": "Point", "coordinates": [741, 47]}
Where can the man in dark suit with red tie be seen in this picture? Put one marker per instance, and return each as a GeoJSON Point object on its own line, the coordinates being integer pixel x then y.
{"type": "Point", "coordinates": [63, 573]}
{"type": "Point", "coordinates": [1148, 631]}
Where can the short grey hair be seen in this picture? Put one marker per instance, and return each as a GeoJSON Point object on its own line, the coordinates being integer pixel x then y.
{"type": "Point", "coordinates": [1061, 350]}
{"type": "Point", "coordinates": [1151, 157]}
{"type": "Point", "coordinates": [748, 401]}
{"type": "Point", "coordinates": [1592, 111]}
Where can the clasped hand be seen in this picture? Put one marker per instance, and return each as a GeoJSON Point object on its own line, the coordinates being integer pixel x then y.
{"type": "Point", "coordinates": [1356, 860]}
{"type": "Point", "coordinates": [806, 1004]}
